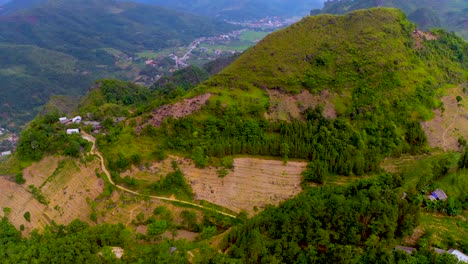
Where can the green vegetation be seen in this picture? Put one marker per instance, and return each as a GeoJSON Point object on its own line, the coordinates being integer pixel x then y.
{"type": "Point", "coordinates": [328, 225]}
{"type": "Point", "coordinates": [19, 179]}
{"type": "Point", "coordinates": [37, 194]}
{"type": "Point", "coordinates": [252, 36]}
{"type": "Point", "coordinates": [173, 183]}
{"type": "Point", "coordinates": [62, 47]}
{"type": "Point", "coordinates": [384, 86]}
{"type": "Point", "coordinates": [27, 216]}
{"type": "Point", "coordinates": [184, 79]}
{"type": "Point", "coordinates": [80, 243]}
{"type": "Point", "coordinates": [45, 135]}
{"type": "Point", "coordinates": [428, 14]}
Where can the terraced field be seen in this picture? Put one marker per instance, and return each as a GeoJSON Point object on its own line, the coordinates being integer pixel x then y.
{"type": "Point", "coordinates": [65, 184]}
{"type": "Point", "coordinates": [253, 183]}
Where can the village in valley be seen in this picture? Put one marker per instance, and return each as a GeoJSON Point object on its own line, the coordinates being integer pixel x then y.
{"type": "Point", "coordinates": [158, 63]}
{"type": "Point", "coordinates": [8, 142]}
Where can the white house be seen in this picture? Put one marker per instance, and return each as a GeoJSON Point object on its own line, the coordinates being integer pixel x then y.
{"type": "Point", "coordinates": [5, 153]}
{"type": "Point", "coordinates": [63, 120]}
{"type": "Point", "coordinates": [73, 131]}
{"type": "Point", "coordinates": [461, 257]}
{"type": "Point", "coordinates": [77, 119]}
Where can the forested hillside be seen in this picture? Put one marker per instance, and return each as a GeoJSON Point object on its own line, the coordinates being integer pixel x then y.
{"type": "Point", "coordinates": [347, 94]}
{"type": "Point", "coordinates": [60, 47]}
{"type": "Point", "coordinates": [451, 14]}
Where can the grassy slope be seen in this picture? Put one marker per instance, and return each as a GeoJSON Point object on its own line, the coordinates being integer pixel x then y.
{"type": "Point", "coordinates": [415, 168]}
{"type": "Point", "coordinates": [451, 14]}
{"type": "Point", "coordinates": [349, 51]}
{"type": "Point", "coordinates": [337, 53]}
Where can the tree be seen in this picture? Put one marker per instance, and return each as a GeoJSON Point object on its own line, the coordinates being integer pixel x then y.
{"type": "Point", "coordinates": [208, 232]}
{"type": "Point", "coordinates": [27, 216]}
{"type": "Point", "coordinates": [198, 156]}
{"type": "Point", "coordinates": [463, 161]}
{"type": "Point", "coordinates": [156, 228]}
{"type": "Point", "coordinates": [19, 178]}
{"type": "Point", "coordinates": [284, 151]}
{"type": "Point", "coordinates": [316, 172]}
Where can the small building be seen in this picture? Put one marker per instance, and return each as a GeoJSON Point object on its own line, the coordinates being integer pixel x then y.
{"type": "Point", "coordinates": [5, 153]}
{"type": "Point", "coordinates": [461, 257]}
{"type": "Point", "coordinates": [63, 120]}
{"type": "Point", "coordinates": [408, 250]}
{"type": "Point", "coordinates": [73, 131]}
{"type": "Point", "coordinates": [439, 194]}
{"type": "Point", "coordinates": [77, 119]}
{"type": "Point", "coordinates": [440, 251]}
{"type": "Point", "coordinates": [94, 124]}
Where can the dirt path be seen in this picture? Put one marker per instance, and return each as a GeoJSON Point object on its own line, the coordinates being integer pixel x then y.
{"type": "Point", "coordinates": [104, 169]}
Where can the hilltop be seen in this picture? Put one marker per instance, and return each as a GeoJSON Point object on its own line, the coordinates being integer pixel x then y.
{"type": "Point", "coordinates": [451, 15]}
{"type": "Point", "coordinates": [319, 133]}
{"type": "Point", "coordinates": [61, 47]}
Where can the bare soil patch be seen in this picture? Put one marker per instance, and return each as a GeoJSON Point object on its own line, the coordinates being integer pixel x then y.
{"type": "Point", "coordinates": [123, 208]}
{"type": "Point", "coordinates": [181, 234]}
{"type": "Point", "coordinates": [66, 192]}
{"type": "Point", "coordinates": [421, 36]}
{"type": "Point", "coordinates": [177, 110]}
{"type": "Point", "coordinates": [253, 183]}
{"type": "Point", "coordinates": [288, 107]}
{"type": "Point", "coordinates": [38, 172]}
{"type": "Point", "coordinates": [449, 125]}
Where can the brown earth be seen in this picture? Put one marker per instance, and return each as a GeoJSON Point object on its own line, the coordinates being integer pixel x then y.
{"type": "Point", "coordinates": [67, 193]}
{"type": "Point", "coordinates": [177, 110]}
{"type": "Point", "coordinates": [181, 234]}
{"type": "Point", "coordinates": [123, 207]}
{"type": "Point", "coordinates": [421, 36]}
{"type": "Point", "coordinates": [252, 183]}
{"type": "Point", "coordinates": [449, 125]}
{"type": "Point", "coordinates": [288, 107]}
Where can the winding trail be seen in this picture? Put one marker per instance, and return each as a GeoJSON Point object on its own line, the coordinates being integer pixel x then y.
{"type": "Point", "coordinates": [104, 169]}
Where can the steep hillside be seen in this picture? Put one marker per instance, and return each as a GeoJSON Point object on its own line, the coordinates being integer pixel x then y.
{"type": "Point", "coordinates": [370, 90]}
{"type": "Point", "coordinates": [331, 96]}
{"type": "Point", "coordinates": [449, 14]}
{"type": "Point", "coordinates": [76, 42]}
{"type": "Point", "coordinates": [240, 10]}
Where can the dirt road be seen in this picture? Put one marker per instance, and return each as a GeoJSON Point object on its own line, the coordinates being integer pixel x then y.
{"type": "Point", "coordinates": [104, 169]}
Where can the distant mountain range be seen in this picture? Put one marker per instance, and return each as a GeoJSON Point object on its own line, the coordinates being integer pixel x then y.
{"type": "Point", "coordinates": [62, 46]}
{"type": "Point", "coordinates": [240, 10]}
{"type": "Point", "coordinates": [449, 14]}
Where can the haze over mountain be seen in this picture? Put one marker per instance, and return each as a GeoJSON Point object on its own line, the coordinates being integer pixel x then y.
{"type": "Point", "coordinates": [62, 46]}
{"type": "Point", "coordinates": [239, 10]}
{"type": "Point", "coordinates": [449, 14]}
